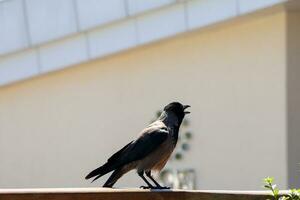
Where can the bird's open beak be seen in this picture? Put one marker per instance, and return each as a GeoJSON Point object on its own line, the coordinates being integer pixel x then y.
{"type": "Point", "coordinates": [185, 107]}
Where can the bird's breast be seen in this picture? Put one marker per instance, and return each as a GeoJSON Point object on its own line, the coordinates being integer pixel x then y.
{"type": "Point", "coordinates": [157, 159]}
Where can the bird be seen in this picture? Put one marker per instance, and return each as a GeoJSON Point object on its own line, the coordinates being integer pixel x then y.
{"type": "Point", "coordinates": [149, 152]}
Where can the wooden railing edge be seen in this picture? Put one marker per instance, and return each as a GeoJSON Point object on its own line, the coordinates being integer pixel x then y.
{"type": "Point", "coordinates": [128, 193]}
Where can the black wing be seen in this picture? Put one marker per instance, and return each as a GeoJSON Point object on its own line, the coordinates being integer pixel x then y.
{"type": "Point", "coordinates": [108, 166]}
{"type": "Point", "coordinates": [117, 155]}
{"type": "Point", "coordinates": [150, 139]}
{"type": "Point", "coordinates": [144, 145]}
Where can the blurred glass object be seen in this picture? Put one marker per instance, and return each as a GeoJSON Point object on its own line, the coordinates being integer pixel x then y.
{"type": "Point", "coordinates": [178, 178]}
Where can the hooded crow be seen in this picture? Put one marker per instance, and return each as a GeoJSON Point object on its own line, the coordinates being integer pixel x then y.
{"type": "Point", "coordinates": [149, 152]}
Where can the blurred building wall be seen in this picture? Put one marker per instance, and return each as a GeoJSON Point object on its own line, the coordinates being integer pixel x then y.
{"type": "Point", "coordinates": [57, 127]}
{"type": "Point", "coordinates": [293, 97]}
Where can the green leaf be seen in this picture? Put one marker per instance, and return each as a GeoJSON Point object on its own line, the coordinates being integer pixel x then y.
{"type": "Point", "coordinates": [275, 191]}
{"type": "Point", "coordinates": [269, 180]}
{"type": "Point", "coordinates": [268, 187]}
{"type": "Point", "coordinates": [294, 194]}
{"type": "Point", "coordinates": [283, 198]}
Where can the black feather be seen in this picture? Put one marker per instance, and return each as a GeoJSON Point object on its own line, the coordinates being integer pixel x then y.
{"type": "Point", "coordinates": [133, 151]}
{"type": "Point", "coordinates": [109, 166]}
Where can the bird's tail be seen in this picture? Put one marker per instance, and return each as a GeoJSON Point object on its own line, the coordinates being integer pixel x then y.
{"type": "Point", "coordinates": [100, 171]}
{"type": "Point", "coordinates": [113, 178]}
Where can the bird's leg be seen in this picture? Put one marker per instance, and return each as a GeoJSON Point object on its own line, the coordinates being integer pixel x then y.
{"type": "Point", "coordinates": [148, 173]}
{"type": "Point", "coordinates": [141, 174]}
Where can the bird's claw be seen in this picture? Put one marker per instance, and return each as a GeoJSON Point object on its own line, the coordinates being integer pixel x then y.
{"type": "Point", "coordinates": [162, 188]}
{"type": "Point", "coordinates": [146, 187]}
{"type": "Point", "coordinates": [155, 188]}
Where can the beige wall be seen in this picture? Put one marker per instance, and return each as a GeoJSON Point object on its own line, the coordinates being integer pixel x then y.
{"type": "Point", "coordinates": [293, 97]}
{"type": "Point", "coordinates": [55, 128]}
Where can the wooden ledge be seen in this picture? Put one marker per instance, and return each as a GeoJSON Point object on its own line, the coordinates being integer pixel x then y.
{"type": "Point", "coordinates": [127, 194]}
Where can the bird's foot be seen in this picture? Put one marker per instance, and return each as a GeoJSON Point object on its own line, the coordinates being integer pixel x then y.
{"type": "Point", "coordinates": [161, 188]}
{"type": "Point", "coordinates": [146, 187]}
{"type": "Point", "coordinates": [155, 188]}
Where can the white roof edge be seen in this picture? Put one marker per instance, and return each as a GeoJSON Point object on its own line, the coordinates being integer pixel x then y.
{"type": "Point", "coordinates": [123, 34]}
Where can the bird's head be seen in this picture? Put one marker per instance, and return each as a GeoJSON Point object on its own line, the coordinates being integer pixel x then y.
{"type": "Point", "coordinates": [178, 109]}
